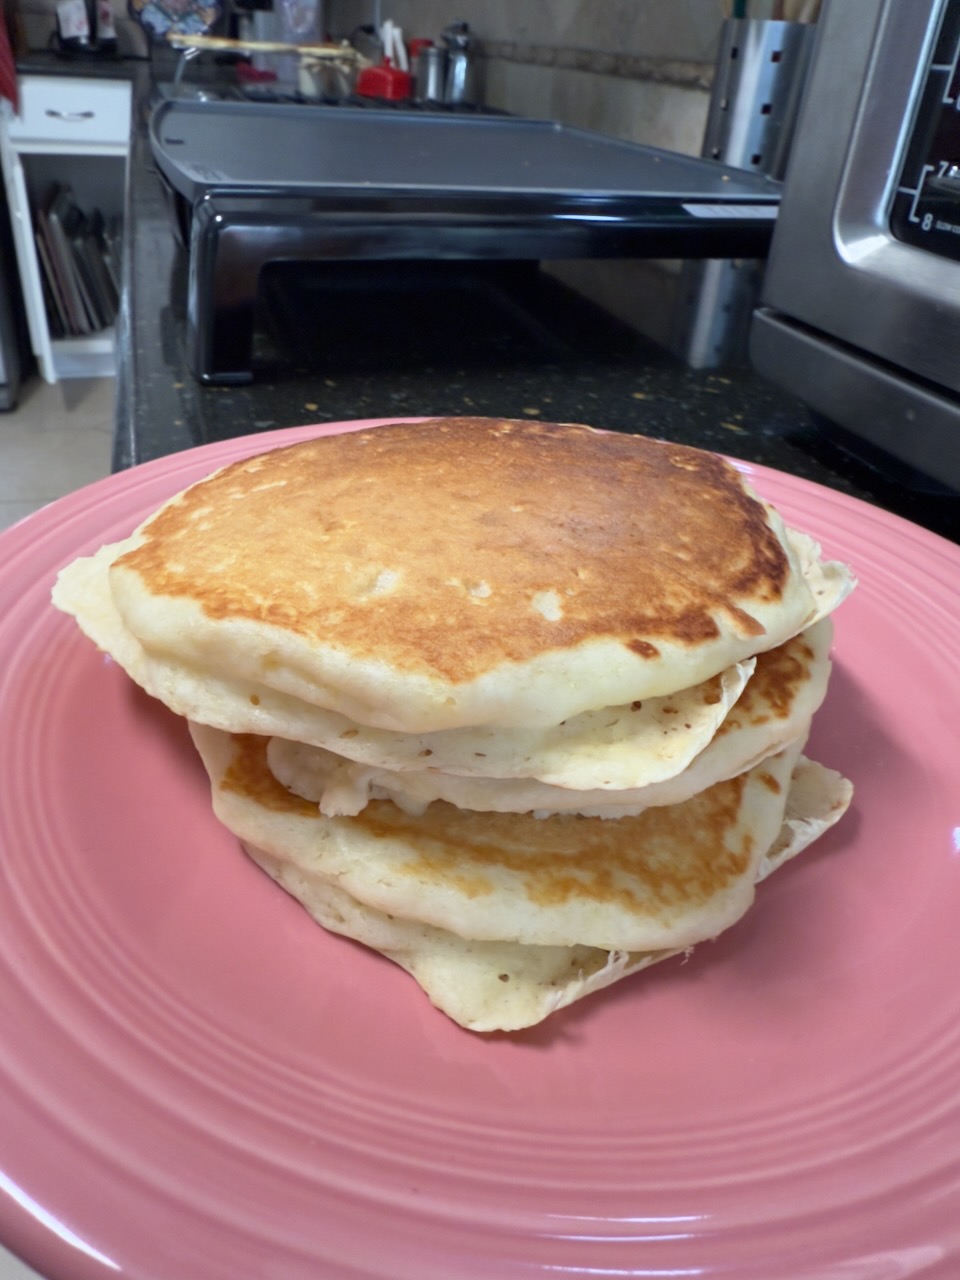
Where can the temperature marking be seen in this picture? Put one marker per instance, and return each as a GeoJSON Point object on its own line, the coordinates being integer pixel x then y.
{"type": "Point", "coordinates": [951, 72]}
{"type": "Point", "coordinates": [913, 216]}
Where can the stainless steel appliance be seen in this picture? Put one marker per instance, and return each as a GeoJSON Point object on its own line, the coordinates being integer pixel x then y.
{"type": "Point", "coordinates": [861, 300]}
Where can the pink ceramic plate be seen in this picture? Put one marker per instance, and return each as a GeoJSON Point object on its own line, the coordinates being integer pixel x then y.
{"type": "Point", "coordinates": [198, 1083]}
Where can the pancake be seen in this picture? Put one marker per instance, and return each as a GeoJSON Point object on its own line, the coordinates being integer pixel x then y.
{"type": "Point", "coordinates": [775, 707]}
{"type": "Point", "coordinates": [667, 877]}
{"type": "Point", "coordinates": [482, 986]}
{"type": "Point", "coordinates": [829, 580]}
{"type": "Point", "coordinates": [452, 573]}
{"type": "Point", "coordinates": [611, 747]}
{"type": "Point", "coordinates": [620, 746]}
{"type": "Point", "coordinates": [550, 686]}
{"type": "Point", "coordinates": [818, 798]}
{"type": "Point", "coordinates": [494, 983]}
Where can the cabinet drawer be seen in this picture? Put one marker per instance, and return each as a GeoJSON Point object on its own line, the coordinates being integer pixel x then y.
{"type": "Point", "coordinates": [71, 112]}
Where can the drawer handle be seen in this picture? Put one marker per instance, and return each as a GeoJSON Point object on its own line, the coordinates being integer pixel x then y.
{"type": "Point", "coordinates": [73, 116]}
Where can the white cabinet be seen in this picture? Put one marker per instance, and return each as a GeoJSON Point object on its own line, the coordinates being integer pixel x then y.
{"type": "Point", "coordinates": [72, 130]}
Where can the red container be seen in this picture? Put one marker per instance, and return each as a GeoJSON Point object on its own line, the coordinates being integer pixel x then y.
{"type": "Point", "coordinates": [384, 81]}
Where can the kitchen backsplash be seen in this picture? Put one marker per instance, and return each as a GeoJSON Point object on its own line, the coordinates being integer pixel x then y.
{"type": "Point", "coordinates": [637, 69]}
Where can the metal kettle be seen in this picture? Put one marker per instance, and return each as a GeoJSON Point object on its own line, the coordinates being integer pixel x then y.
{"type": "Point", "coordinates": [460, 79]}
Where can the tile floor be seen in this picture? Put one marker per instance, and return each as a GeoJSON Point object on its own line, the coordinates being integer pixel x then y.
{"type": "Point", "coordinates": [57, 439]}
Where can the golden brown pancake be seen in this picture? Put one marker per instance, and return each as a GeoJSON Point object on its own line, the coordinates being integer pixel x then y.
{"type": "Point", "coordinates": [665, 878]}
{"type": "Point", "coordinates": [644, 541]}
{"type": "Point", "coordinates": [490, 983]}
{"type": "Point", "coordinates": [463, 572]}
{"type": "Point", "coordinates": [775, 707]}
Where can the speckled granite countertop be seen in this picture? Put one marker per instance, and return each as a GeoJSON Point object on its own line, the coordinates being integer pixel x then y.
{"type": "Point", "coordinates": [451, 340]}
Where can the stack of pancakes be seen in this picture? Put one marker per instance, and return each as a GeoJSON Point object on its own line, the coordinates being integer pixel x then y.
{"type": "Point", "coordinates": [520, 705]}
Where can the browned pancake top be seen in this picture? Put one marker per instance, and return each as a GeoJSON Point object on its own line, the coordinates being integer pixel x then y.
{"type": "Point", "coordinates": [451, 546]}
{"type": "Point", "coordinates": [676, 857]}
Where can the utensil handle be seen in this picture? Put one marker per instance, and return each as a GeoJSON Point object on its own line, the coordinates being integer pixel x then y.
{"type": "Point", "coordinates": [71, 117]}
{"type": "Point", "coordinates": [182, 40]}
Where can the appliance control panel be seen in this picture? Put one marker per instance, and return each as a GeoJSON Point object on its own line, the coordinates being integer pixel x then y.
{"type": "Point", "coordinates": [925, 210]}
